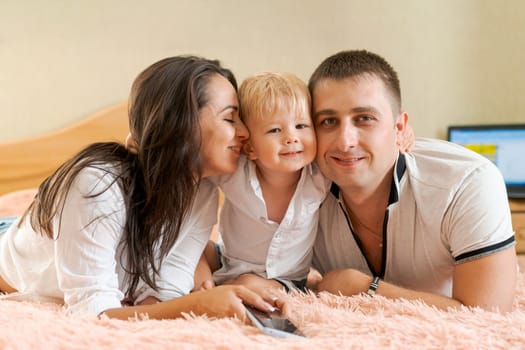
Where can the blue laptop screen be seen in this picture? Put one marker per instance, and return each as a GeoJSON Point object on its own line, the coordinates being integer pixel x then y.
{"type": "Point", "coordinates": [502, 144]}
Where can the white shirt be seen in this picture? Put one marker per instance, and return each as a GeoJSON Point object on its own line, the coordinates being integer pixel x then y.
{"type": "Point", "coordinates": [83, 265]}
{"type": "Point", "coordinates": [254, 244]}
{"type": "Point", "coordinates": [448, 205]}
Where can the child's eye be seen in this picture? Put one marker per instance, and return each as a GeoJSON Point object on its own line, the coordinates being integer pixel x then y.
{"type": "Point", "coordinates": [273, 131]}
{"type": "Point", "coordinates": [302, 126]}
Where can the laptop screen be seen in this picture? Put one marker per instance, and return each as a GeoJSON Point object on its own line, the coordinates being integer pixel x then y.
{"type": "Point", "coordinates": [503, 144]}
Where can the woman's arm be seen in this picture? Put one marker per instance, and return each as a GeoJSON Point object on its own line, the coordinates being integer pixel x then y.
{"type": "Point", "coordinates": [222, 301]}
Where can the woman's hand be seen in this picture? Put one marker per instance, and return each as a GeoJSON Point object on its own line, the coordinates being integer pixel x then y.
{"type": "Point", "coordinates": [222, 301]}
{"type": "Point", "coordinates": [407, 139]}
{"type": "Point", "coordinates": [263, 286]}
{"type": "Point", "coordinates": [227, 301]}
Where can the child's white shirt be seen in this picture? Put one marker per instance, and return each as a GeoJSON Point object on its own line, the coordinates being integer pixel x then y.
{"type": "Point", "coordinates": [252, 243]}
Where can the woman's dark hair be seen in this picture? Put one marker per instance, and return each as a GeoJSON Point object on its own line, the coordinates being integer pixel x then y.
{"type": "Point", "coordinates": [159, 183]}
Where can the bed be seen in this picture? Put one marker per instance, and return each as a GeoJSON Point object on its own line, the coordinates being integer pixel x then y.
{"type": "Point", "coordinates": [328, 321]}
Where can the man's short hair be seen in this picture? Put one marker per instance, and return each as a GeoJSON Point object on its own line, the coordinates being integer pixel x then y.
{"type": "Point", "coordinates": [356, 63]}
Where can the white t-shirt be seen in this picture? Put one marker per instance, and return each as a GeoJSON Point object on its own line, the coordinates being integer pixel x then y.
{"type": "Point", "coordinates": [252, 243]}
{"type": "Point", "coordinates": [83, 265]}
{"type": "Point", "coordinates": [447, 205]}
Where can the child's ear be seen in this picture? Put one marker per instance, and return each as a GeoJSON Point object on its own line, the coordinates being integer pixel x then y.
{"type": "Point", "coordinates": [249, 151]}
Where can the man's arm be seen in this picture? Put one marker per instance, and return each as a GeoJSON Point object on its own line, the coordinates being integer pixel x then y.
{"type": "Point", "coordinates": [487, 282]}
{"type": "Point", "coordinates": [352, 282]}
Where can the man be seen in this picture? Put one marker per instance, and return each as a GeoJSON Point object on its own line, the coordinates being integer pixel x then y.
{"type": "Point", "coordinates": [432, 224]}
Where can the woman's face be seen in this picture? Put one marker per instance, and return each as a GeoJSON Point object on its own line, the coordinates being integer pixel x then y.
{"type": "Point", "coordinates": [223, 133]}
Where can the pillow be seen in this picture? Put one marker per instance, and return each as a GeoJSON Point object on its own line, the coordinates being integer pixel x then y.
{"type": "Point", "coordinates": [15, 203]}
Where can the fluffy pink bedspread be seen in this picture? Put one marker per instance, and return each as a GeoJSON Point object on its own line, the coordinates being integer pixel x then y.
{"type": "Point", "coordinates": [329, 322]}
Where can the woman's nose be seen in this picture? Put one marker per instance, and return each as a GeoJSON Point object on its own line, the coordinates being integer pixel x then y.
{"type": "Point", "coordinates": [242, 131]}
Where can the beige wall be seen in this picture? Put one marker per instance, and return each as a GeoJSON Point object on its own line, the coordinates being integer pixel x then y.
{"type": "Point", "coordinates": [460, 61]}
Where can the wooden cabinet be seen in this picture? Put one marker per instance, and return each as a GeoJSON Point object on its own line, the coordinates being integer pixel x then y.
{"type": "Point", "coordinates": [517, 209]}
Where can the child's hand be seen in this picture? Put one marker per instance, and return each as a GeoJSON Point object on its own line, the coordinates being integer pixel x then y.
{"type": "Point", "coordinates": [207, 284]}
{"type": "Point", "coordinates": [202, 279]}
{"type": "Point", "coordinates": [313, 279]}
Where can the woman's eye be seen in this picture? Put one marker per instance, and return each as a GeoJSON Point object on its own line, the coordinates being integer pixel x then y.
{"type": "Point", "coordinates": [229, 118]}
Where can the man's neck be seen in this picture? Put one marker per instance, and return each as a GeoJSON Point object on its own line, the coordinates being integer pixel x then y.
{"type": "Point", "coordinates": [369, 200]}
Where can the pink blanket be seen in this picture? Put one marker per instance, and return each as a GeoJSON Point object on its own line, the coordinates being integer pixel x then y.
{"type": "Point", "coordinates": [329, 321]}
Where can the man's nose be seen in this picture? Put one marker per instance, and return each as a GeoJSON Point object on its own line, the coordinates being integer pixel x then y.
{"type": "Point", "coordinates": [347, 137]}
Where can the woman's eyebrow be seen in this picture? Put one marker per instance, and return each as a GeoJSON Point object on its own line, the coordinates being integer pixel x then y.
{"type": "Point", "coordinates": [234, 107]}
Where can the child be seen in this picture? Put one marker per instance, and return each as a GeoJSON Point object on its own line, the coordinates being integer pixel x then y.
{"type": "Point", "coordinates": [269, 217]}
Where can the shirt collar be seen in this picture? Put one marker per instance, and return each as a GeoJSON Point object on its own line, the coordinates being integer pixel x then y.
{"type": "Point", "coordinates": [400, 167]}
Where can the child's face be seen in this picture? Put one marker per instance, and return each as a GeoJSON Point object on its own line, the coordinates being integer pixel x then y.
{"type": "Point", "coordinates": [283, 142]}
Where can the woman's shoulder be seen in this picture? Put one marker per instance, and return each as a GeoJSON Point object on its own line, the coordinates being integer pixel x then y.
{"type": "Point", "coordinates": [97, 178]}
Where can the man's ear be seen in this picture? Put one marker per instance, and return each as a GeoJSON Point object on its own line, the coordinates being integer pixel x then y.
{"type": "Point", "coordinates": [401, 122]}
{"type": "Point", "coordinates": [249, 151]}
{"type": "Point", "coordinates": [404, 133]}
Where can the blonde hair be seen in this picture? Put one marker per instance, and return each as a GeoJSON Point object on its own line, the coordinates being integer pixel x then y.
{"type": "Point", "coordinates": [266, 93]}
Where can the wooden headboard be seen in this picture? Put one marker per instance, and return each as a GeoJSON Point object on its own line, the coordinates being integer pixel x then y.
{"type": "Point", "coordinates": [26, 163]}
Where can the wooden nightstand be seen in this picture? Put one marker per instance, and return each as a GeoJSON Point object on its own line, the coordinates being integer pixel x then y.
{"type": "Point", "coordinates": [517, 209]}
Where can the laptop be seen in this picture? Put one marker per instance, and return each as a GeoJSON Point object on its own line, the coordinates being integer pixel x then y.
{"type": "Point", "coordinates": [503, 144]}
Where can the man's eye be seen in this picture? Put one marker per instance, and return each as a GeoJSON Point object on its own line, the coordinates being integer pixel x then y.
{"type": "Point", "coordinates": [328, 122]}
{"type": "Point", "coordinates": [365, 118]}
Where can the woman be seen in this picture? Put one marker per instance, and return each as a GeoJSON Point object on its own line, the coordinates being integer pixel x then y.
{"type": "Point", "coordinates": [117, 226]}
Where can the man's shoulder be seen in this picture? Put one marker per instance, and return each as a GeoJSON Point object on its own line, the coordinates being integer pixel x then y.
{"type": "Point", "coordinates": [444, 151]}
{"type": "Point", "coordinates": [439, 168]}
{"type": "Point", "coordinates": [442, 161]}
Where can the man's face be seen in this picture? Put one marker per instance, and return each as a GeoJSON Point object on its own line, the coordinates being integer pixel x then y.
{"type": "Point", "coordinates": [357, 132]}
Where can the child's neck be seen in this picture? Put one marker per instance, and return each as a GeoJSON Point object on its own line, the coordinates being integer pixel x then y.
{"type": "Point", "coordinates": [277, 190]}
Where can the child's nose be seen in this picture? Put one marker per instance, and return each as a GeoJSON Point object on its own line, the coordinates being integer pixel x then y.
{"type": "Point", "coordinates": [291, 138]}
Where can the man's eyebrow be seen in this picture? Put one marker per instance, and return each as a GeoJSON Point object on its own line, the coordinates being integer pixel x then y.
{"type": "Point", "coordinates": [234, 107]}
{"type": "Point", "coordinates": [324, 112]}
{"type": "Point", "coordinates": [364, 109]}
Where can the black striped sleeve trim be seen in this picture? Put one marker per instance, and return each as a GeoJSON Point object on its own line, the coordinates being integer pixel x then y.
{"type": "Point", "coordinates": [485, 250]}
